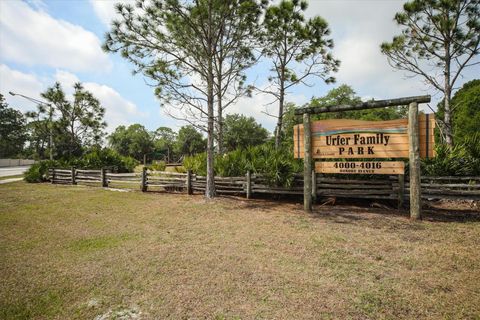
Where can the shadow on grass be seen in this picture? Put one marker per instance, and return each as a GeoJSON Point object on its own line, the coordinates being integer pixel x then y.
{"type": "Point", "coordinates": [353, 211]}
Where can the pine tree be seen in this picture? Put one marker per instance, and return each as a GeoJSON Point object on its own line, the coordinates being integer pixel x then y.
{"type": "Point", "coordinates": [439, 40]}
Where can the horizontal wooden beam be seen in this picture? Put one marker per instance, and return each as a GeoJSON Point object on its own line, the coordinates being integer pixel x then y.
{"type": "Point", "coordinates": [365, 105]}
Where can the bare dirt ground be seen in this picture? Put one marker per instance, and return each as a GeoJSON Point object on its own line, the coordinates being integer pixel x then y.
{"type": "Point", "coordinates": [86, 253]}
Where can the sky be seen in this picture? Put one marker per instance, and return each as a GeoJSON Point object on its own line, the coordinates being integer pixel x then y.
{"type": "Point", "coordinates": [44, 41]}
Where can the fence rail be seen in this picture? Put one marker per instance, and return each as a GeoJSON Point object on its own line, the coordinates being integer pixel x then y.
{"type": "Point", "coordinates": [391, 187]}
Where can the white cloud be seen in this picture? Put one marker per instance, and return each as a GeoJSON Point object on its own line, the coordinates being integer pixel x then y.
{"type": "Point", "coordinates": [32, 37]}
{"type": "Point", "coordinates": [259, 104]}
{"type": "Point", "coordinates": [105, 9]}
{"type": "Point", "coordinates": [119, 111]}
{"type": "Point", "coordinates": [365, 68]}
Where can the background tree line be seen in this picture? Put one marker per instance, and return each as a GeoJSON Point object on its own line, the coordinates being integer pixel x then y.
{"type": "Point", "coordinates": [247, 145]}
{"type": "Point", "coordinates": [27, 134]}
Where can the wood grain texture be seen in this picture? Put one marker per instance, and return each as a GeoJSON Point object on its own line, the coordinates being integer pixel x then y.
{"type": "Point", "coordinates": [307, 164]}
{"type": "Point", "coordinates": [365, 105]}
{"type": "Point", "coordinates": [349, 135]}
{"type": "Point", "coordinates": [414, 163]}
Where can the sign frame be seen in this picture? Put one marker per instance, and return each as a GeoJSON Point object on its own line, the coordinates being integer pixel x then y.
{"type": "Point", "coordinates": [413, 145]}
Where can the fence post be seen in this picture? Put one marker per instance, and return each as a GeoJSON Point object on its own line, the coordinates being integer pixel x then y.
{"type": "Point", "coordinates": [249, 184]}
{"type": "Point", "coordinates": [144, 179]}
{"type": "Point", "coordinates": [53, 176]}
{"type": "Point", "coordinates": [73, 176]}
{"type": "Point", "coordinates": [314, 186]}
{"type": "Point", "coordinates": [189, 182]}
{"type": "Point", "coordinates": [414, 157]}
{"type": "Point", "coordinates": [104, 178]}
{"type": "Point", "coordinates": [401, 190]}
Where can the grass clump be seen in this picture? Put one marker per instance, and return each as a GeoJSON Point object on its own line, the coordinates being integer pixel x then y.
{"type": "Point", "coordinates": [98, 243]}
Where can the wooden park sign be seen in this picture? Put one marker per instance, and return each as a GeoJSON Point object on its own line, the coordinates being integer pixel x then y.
{"type": "Point", "coordinates": [350, 139]}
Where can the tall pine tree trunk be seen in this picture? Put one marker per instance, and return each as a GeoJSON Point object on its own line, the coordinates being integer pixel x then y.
{"type": "Point", "coordinates": [219, 112]}
{"type": "Point", "coordinates": [210, 187]}
{"type": "Point", "coordinates": [281, 101]}
{"type": "Point", "coordinates": [448, 118]}
{"type": "Point", "coordinates": [448, 94]}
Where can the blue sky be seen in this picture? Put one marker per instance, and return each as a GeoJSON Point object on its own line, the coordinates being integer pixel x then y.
{"type": "Point", "coordinates": [46, 41]}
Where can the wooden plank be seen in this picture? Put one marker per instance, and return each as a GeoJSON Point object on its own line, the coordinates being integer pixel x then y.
{"type": "Point", "coordinates": [88, 178]}
{"type": "Point", "coordinates": [123, 181]}
{"type": "Point", "coordinates": [165, 179]}
{"type": "Point", "coordinates": [452, 192]}
{"type": "Point", "coordinates": [373, 104]}
{"type": "Point", "coordinates": [89, 171]}
{"type": "Point", "coordinates": [347, 181]}
{"type": "Point", "coordinates": [452, 178]}
{"type": "Point", "coordinates": [452, 197]}
{"type": "Point", "coordinates": [166, 185]}
{"type": "Point", "coordinates": [360, 167]}
{"type": "Point", "coordinates": [284, 191]}
{"type": "Point", "coordinates": [352, 186]}
{"type": "Point", "coordinates": [123, 175]}
{"type": "Point", "coordinates": [359, 196]}
{"type": "Point", "coordinates": [401, 190]}
{"type": "Point", "coordinates": [62, 171]}
{"type": "Point", "coordinates": [353, 124]}
{"type": "Point", "coordinates": [448, 185]}
{"type": "Point", "coordinates": [260, 186]}
{"type": "Point", "coordinates": [350, 139]}
{"type": "Point", "coordinates": [353, 192]}
{"type": "Point", "coordinates": [166, 173]}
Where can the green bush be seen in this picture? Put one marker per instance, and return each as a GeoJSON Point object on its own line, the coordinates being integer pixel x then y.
{"type": "Point", "coordinates": [38, 171]}
{"type": "Point", "coordinates": [157, 166]}
{"type": "Point", "coordinates": [95, 159]}
{"type": "Point", "coordinates": [105, 158]}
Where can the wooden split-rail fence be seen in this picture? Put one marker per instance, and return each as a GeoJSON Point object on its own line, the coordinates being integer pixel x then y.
{"type": "Point", "coordinates": [388, 188]}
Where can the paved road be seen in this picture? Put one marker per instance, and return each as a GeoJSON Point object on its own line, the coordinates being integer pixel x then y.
{"type": "Point", "coordinates": [12, 171]}
{"type": "Point", "coordinates": [3, 181]}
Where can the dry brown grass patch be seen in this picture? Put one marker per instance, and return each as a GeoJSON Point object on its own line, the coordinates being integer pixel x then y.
{"type": "Point", "coordinates": [154, 255]}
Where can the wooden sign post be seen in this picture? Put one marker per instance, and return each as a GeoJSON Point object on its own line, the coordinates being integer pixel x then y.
{"type": "Point", "coordinates": [307, 164]}
{"type": "Point", "coordinates": [350, 139]}
{"type": "Point", "coordinates": [414, 161]}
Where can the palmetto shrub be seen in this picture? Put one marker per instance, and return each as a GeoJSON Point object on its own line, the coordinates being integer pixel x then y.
{"type": "Point", "coordinates": [460, 160]}
{"type": "Point", "coordinates": [278, 167]}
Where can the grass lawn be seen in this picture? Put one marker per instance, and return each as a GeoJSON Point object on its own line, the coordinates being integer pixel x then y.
{"type": "Point", "coordinates": [71, 252]}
